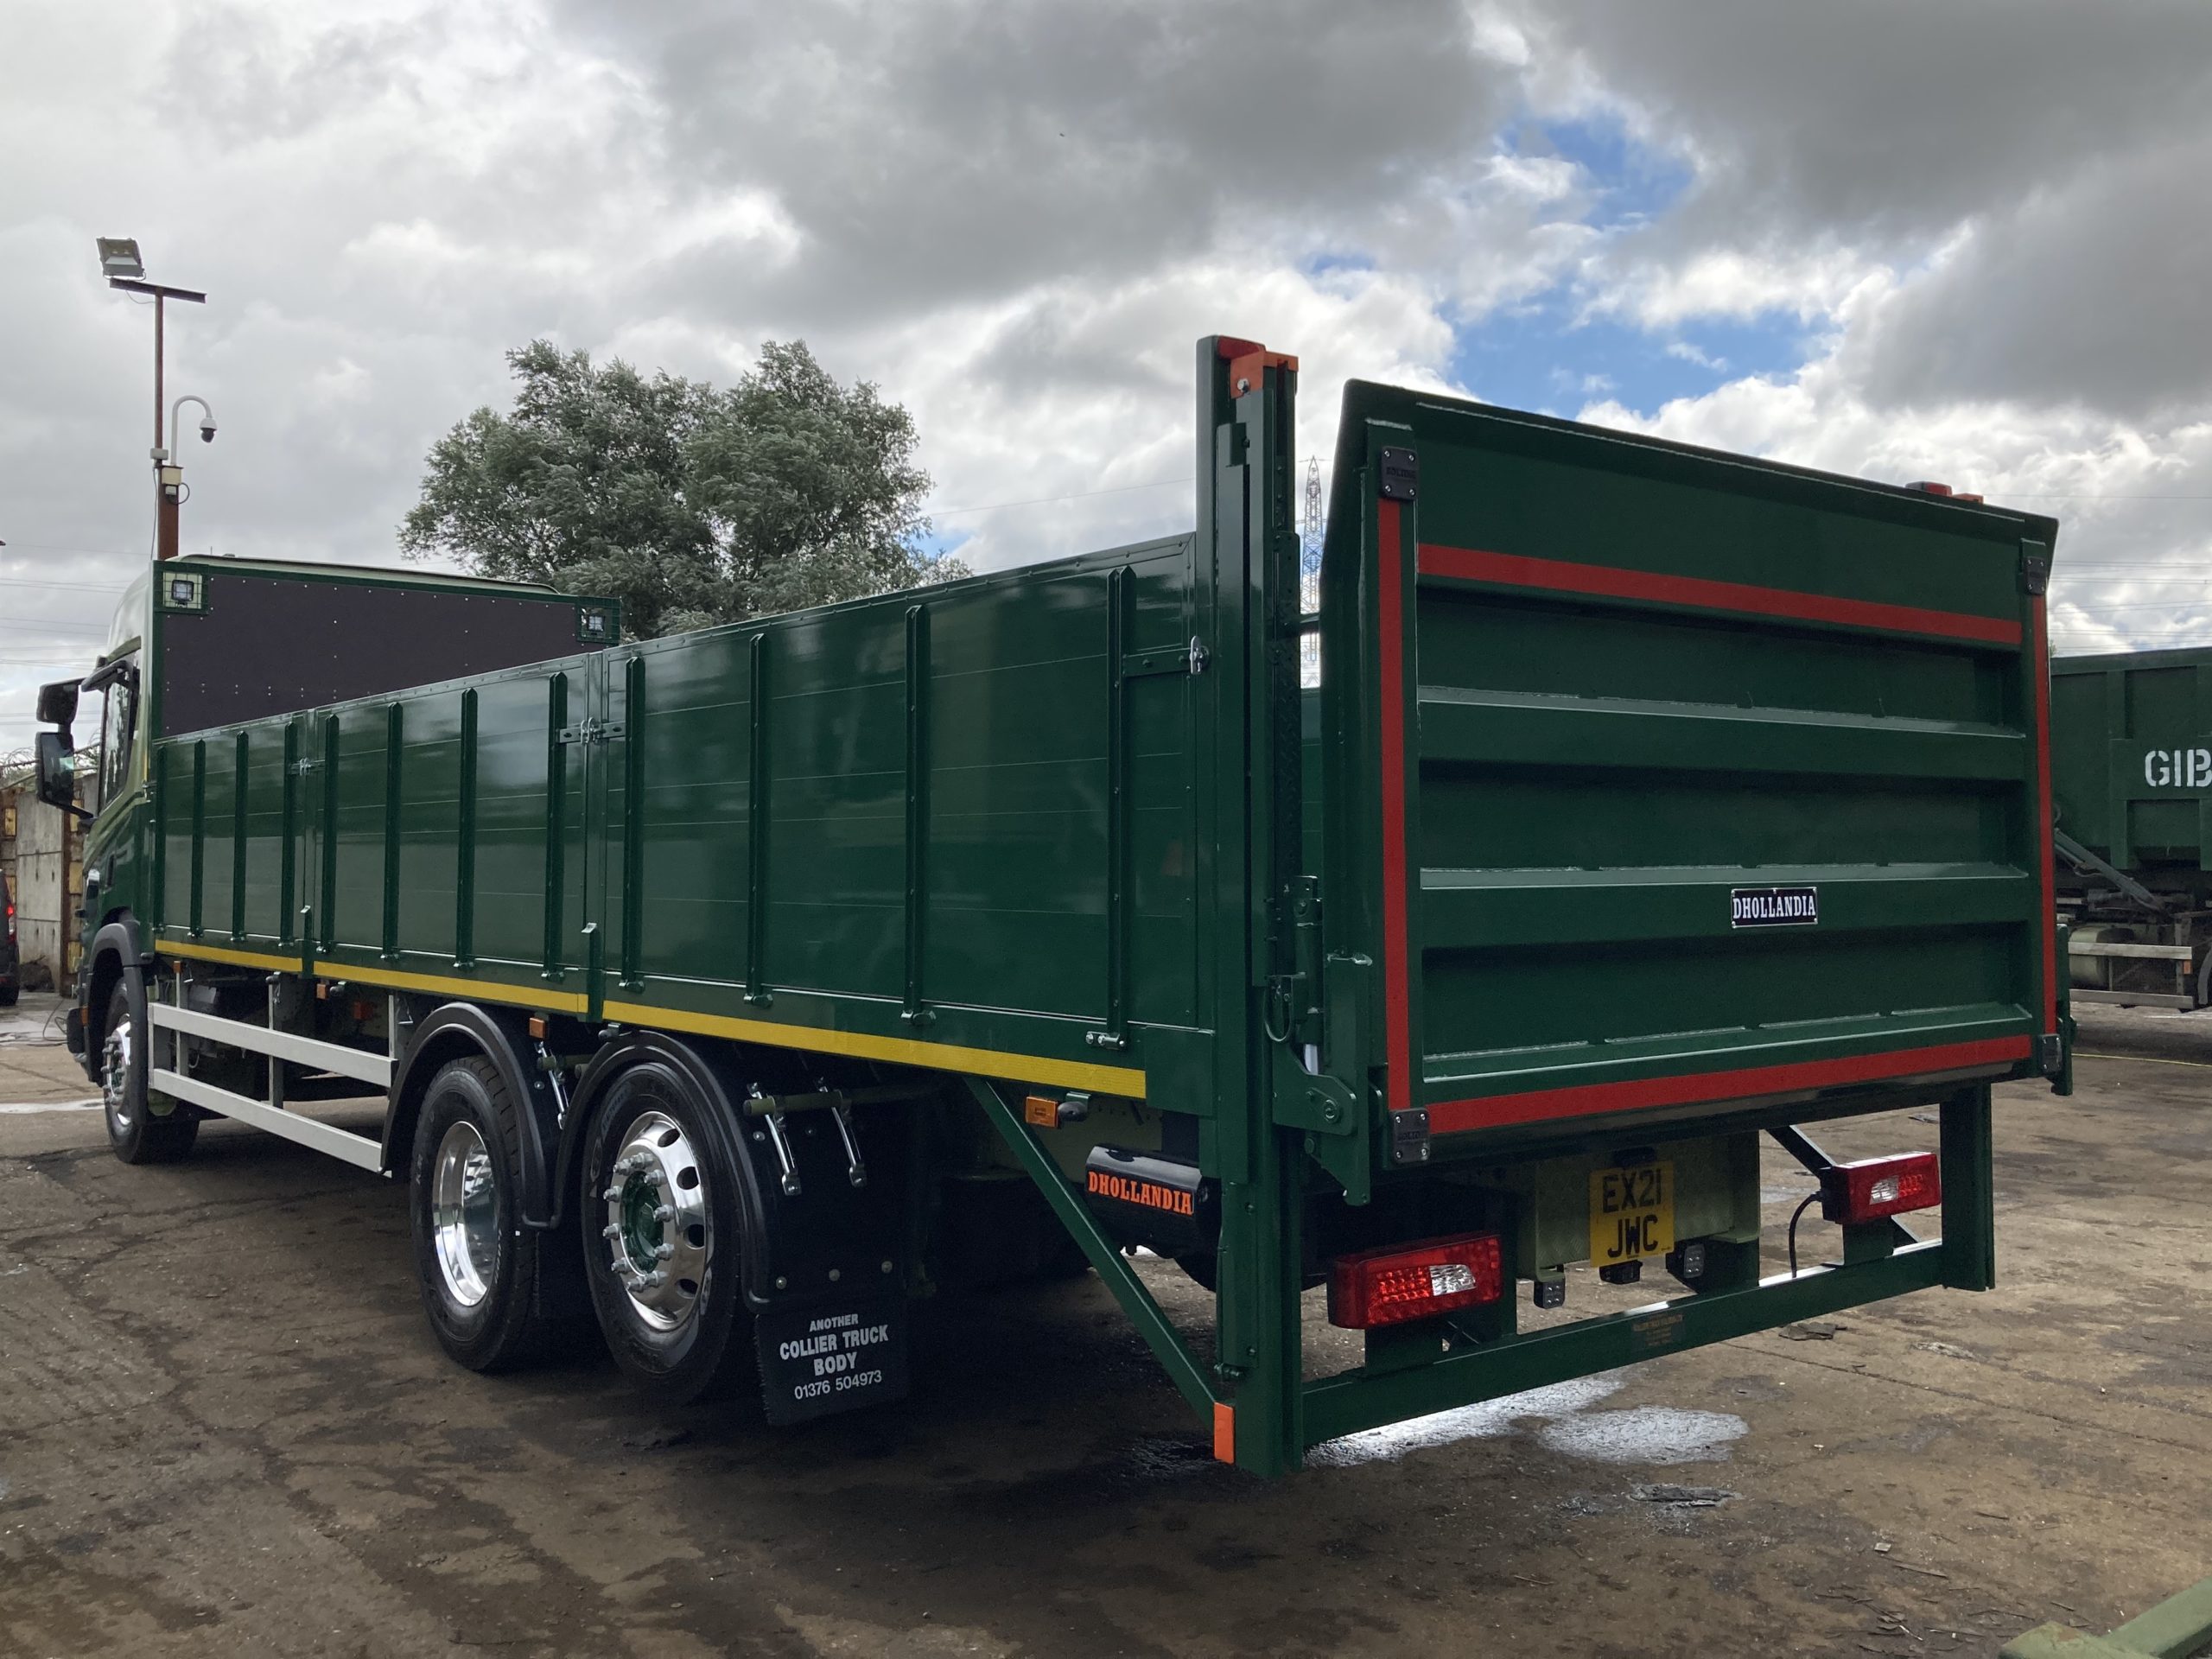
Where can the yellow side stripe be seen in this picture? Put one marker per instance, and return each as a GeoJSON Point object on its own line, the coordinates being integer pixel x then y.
{"type": "Point", "coordinates": [483, 990]}
{"type": "Point", "coordinates": [906, 1050]}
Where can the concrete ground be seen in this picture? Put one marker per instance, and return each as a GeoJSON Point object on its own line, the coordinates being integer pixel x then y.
{"type": "Point", "coordinates": [224, 1429]}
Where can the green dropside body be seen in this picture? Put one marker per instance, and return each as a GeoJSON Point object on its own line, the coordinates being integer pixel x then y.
{"type": "Point", "coordinates": [2130, 757]}
{"type": "Point", "coordinates": [1418, 951]}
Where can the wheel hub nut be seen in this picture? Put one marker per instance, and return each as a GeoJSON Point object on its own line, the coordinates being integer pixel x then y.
{"type": "Point", "coordinates": [655, 1227]}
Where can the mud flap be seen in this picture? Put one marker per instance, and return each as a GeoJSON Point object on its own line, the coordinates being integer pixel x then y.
{"type": "Point", "coordinates": [826, 1274]}
{"type": "Point", "coordinates": [835, 1356]}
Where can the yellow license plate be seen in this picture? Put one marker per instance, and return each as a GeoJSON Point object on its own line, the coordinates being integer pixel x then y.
{"type": "Point", "coordinates": [1632, 1213]}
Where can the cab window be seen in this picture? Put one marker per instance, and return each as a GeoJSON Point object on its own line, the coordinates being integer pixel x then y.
{"type": "Point", "coordinates": [118, 726]}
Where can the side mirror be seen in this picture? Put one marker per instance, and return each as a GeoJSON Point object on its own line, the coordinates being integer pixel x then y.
{"type": "Point", "coordinates": [57, 704]}
{"type": "Point", "coordinates": [57, 773]}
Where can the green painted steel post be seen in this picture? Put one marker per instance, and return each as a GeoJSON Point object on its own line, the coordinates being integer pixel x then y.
{"type": "Point", "coordinates": [1243, 522]}
{"type": "Point", "coordinates": [288, 879]}
{"type": "Point", "coordinates": [1224, 897]}
{"type": "Point", "coordinates": [199, 828]}
{"type": "Point", "coordinates": [1278, 830]}
{"type": "Point", "coordinates": [394, 750]}
{"type": "Point", "coordinates": [238, 839]}
{"type": "Point", "coordinates": [1120, 600]}
{"type": "Point", "coordinates": [327, 921]}
{"type": "Point", "coordinates": [756, 827]}
{"type": "Point", "coordinates": [633, 823]}
{"type": "Point", "coordinates": [464, 873]}
{"type": "Point", "coordinates": [1969, 1200]}
{"type": "Point", "coordinates": [556, 823]}
{"type": "Point", "coordinates": [158, 804]}
{"type": "Point", "coordinates": [917, 808]}
{"type": "Point", "coordinates": [2062, 1084]}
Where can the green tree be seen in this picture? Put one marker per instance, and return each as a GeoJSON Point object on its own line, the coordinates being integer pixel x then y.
{"type": "Point", "coordinates": [690, 504]}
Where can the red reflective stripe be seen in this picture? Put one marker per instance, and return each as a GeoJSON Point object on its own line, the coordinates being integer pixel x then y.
{"type": "Point", "coordinates": [1454, 1117]}
{"type": "Point", "coordinates": [1397, 1011]}
{"type": "Point", "coordinates": [2041, 668]}
{"type": "Point", "coordinates": [1513, 570]}
{"type": "Point", "coordinates": [1224, 1432]}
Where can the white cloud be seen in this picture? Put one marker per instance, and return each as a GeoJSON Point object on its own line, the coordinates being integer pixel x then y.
{"type": "Point", "coordinates": [2134, 556]}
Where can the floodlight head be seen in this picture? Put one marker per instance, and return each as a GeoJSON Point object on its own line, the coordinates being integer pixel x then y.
{"type": "Point", "coordinates": [119, 257]}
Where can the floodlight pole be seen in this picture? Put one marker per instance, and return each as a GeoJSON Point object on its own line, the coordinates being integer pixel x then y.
{"type": "Point", "coordinates": [168, 478]}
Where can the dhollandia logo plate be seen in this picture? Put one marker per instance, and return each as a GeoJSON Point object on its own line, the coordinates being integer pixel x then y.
{"type": "Point", "coordinates": [1774, 907]}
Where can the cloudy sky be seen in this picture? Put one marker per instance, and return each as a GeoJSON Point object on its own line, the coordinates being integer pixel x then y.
{"type": "Point", "coordinates": [1967, 242]}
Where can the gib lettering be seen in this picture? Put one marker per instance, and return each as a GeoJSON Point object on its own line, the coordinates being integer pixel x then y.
{"type": "Point", "coordinates": [2177, 768]}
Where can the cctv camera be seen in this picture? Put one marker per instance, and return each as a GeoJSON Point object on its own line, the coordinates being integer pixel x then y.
{"type": "Point", "coordinates": [207, 430]}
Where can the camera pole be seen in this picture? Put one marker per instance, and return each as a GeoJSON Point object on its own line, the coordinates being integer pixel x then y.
{"type": "Point", "coordinates": [168, 477]}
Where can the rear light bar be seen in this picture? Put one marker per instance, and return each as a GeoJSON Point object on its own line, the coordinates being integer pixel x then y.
{"type": "Point", "coordinates": [1875, 1187]}
{"type": "Point", "coordinates": [1398, 1282]}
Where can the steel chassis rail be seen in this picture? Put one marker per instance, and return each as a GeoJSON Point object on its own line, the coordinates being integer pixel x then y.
{"type": "Point", "coordinates": [276, 1047]}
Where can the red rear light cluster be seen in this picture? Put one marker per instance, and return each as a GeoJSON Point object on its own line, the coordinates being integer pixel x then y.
{"type": "Point", "coordinates": [1397, 1283]}
{"type": "Point", "coordinates": [1875, 1187]}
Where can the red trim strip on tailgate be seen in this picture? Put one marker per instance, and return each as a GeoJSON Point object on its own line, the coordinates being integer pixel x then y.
{"type": "Point", "coordinates": [2039, 666]}
{"type": "Point", "coordinates": [1559, 575]}
{"type": "Point", "coordinates": [1494, 1111]}
{"type": "Point", "coordinates": [1397, 1012]}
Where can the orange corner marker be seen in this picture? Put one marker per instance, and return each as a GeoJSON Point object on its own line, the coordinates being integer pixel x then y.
{"type": "Point", "coordinates": [1224, 1432]}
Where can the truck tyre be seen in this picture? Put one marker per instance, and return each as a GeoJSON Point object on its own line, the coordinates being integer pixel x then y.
{"type": "Point", "coordinates": [661, 1225]}
{"type": "Point", "coordinates": [136, 1135]}
{"type": "Point", "coordinates": [486, 1279]}
{"type": "Point", "coordinates": [8, 994]}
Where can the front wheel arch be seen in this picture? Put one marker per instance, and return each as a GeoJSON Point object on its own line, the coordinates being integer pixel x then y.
{"type": "Point", "coordinates": [114, 949]}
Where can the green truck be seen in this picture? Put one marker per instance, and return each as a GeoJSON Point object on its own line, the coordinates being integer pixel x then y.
{"type": "Point", "coordinates": [737, 992]}
{"type": "Point", "coordinates": [2130, 757]}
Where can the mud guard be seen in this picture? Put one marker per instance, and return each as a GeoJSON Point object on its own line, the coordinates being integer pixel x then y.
{"type": "Point", "coordinates": [453, 1031]}
{"type": "Point", "coordinates": [825, 1258]}
{"type": "Point", "coordinates": [118, 938]}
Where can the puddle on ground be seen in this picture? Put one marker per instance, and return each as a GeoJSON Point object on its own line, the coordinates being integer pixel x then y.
{"type": "Point", "coordinates": [1644, 1434]}
{"type": "Point", "coordinates": [1491, 1418]}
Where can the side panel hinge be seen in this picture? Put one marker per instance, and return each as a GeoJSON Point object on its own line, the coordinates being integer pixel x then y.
{"type": "Point", "coordinates": [2035, 567]}
{"type": "Point", "coordinates": [590, 731]}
